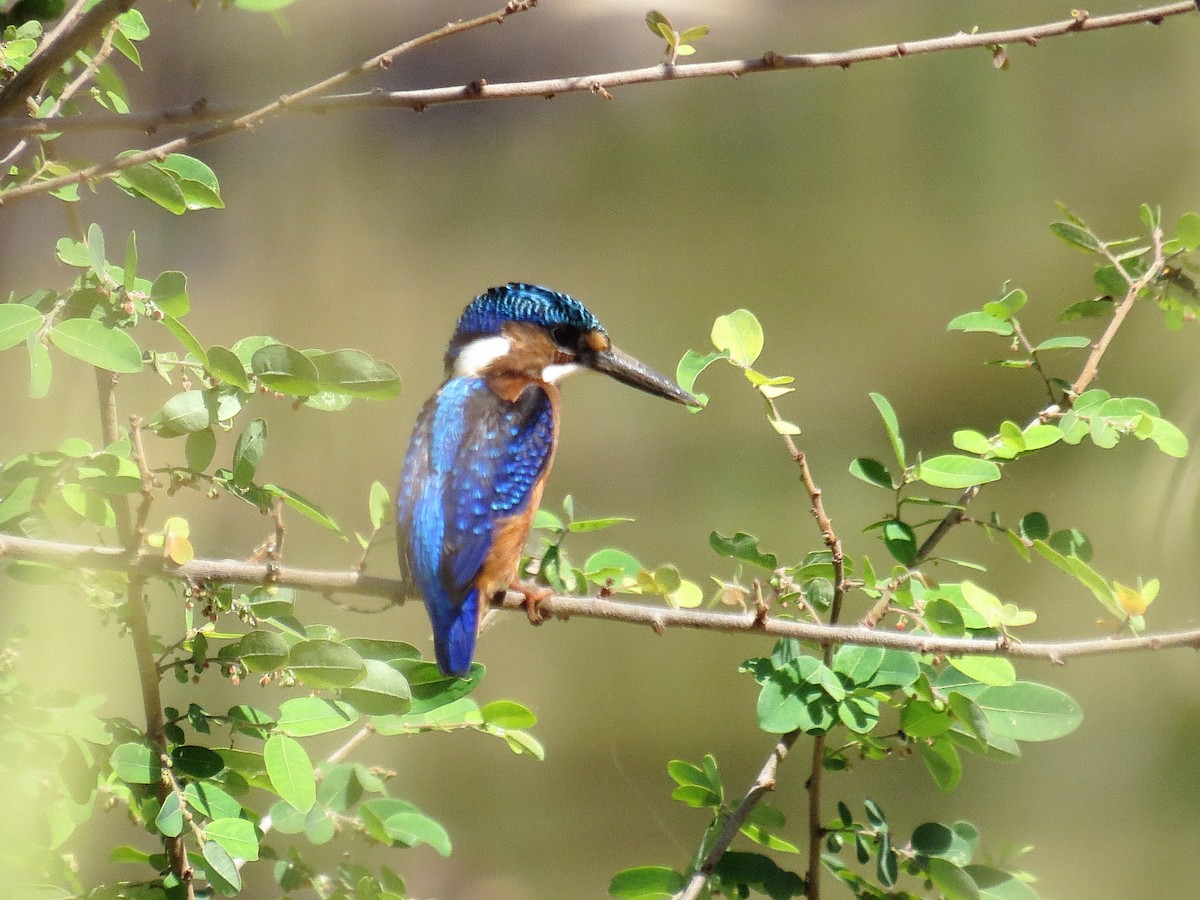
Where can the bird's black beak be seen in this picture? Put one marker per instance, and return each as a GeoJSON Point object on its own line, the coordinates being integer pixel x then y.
{"type": "Point", "coordinates": [627, 370]}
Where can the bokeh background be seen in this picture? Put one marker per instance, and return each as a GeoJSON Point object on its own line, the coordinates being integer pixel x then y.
{"type": "Point", "coordinates": [854, 212]}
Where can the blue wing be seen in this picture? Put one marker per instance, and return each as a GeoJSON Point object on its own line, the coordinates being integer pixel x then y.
{"type": "Point", "coordinates": [473, 460]}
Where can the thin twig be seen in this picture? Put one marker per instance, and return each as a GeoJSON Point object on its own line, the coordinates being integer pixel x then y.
{"type": "Point", "coordinates": [420, 100]}
{"type": "Point", "coordinates": [1087, 374]}
{"type": "Point", "coordinates": [764, 782]}
{"type": "Point", "coordinates": [59, 46]}
{"type": "Point", "coordinates": [256, 117]}
{"type": "Point", "coordinates": [1136, 286]}
{"type": "Point", "coordinates": [89, 71]}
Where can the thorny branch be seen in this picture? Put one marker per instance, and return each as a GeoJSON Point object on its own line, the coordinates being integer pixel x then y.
{"type": "Point", "coordinates": [315, 99]}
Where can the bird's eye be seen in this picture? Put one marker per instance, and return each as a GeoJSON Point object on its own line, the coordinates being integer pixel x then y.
{"type": "Point", "coordinates": [565, 336]}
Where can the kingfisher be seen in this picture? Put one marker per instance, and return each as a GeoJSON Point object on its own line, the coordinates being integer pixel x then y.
{"type": "Point", "coordinates": [481, 451]}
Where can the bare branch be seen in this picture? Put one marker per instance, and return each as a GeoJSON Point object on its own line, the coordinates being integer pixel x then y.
{"type": "Point", "coordinates": [311, 99]}
{"type": "Point", "coordinates": [476, 91]}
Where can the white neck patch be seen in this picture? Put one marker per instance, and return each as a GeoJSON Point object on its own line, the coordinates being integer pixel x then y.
{"type": "Point", "coordinates": [479, 354]}
{"type": "Point", "coordinates": [559, 371]}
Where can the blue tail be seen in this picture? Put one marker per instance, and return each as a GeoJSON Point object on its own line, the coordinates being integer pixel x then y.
{"type": "Point", "coordinates": [455, 647]}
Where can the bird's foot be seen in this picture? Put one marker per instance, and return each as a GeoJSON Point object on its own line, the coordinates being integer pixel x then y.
{"type": "Point", "coordinates": [534, 594]}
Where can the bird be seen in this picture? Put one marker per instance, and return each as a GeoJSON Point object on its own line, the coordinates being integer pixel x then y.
{"type": "Point", "coordinates": [481, 451]}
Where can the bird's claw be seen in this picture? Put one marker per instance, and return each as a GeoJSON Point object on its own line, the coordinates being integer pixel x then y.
{"type": "Point", "coordinates": [534, 594]}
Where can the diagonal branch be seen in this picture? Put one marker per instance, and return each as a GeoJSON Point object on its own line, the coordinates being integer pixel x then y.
{"type": "Point", "coordinates": [256, 117]}
{"type": "Point", "coordinates": [475, 91]}
{"type": "Point", "coordinates": [313, 99]}
{"type": "Point", "coordinates": [60, 46]}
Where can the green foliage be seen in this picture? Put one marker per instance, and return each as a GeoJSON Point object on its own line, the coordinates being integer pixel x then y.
{"type": "Point", "coordinates": [678, 43]}
{"type": "Point", "coordinates": [234, 786]}
{"type": "Point", "coordinates": [875, 703]}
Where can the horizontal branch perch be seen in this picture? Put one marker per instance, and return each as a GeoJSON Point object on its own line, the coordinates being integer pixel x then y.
{"type": "Point", "coordinates": [82, 556]}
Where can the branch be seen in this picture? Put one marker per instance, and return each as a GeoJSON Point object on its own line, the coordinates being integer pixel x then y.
{"type": "Point", "coordinates": [236, 119]}
{"type": "Point", "coordinates": [256, 117]}
{"type": "Point", "coordinates": [658, 618]}
{"type": "Point", "coordinates": [60, 46]}
{"type": "Point", "coordinates": [733, 822]}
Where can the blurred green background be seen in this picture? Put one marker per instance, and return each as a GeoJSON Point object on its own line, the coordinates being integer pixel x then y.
{"type": "Point", "coordinates": [854, 212]}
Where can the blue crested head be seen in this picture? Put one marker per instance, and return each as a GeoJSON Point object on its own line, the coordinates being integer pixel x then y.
{"type": "Point", "coordinates": [517, 302]}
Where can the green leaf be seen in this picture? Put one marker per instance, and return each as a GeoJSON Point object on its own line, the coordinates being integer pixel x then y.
{"type": "Point", "coordinates": [136, 763]}
{"type": "Point", "coordinates": [196, 761]}
{"type": "Point", "coordinates": [1083, 573]}
{"type": "Point", "coordinates": [972, 442]}
{"type": "Point", "coordinates": [986, 669]}
{"type": "Point", "coordinates": [248, 453]}
{"type": "Point", "coordinates": [744, 547]}
{"type": "Point", "coordinates": [17, 322]}
{"type": "Point", "coordinates": [997, 885]}
{"type": "Point", "coordinates": [691, 366]}
{"type": "Point", "coordinates": [169, 293]}
{"type": "Point", "coordinates": [199, 449]}
{"type": "Point", "coordinates": [1187, 231]}
{"type": "Point", "coordinates": [286, 370]}
{"type": "Point", "coordinates": [169, 820]}
{"type": "Point", "coordinates": [942, 762]}
{"type": "Point", "coordinates": [211, 801]}
{"type": "Point", "coordinates": [892, 424]}
{"type": "Point", "coordinates": [194, 411]}
{"type": "Point", "coordinates": [586, 526]}
{"type": "Point", "coordinates": [224, 365]}
{"type": "Point", "coordinates": [262, 651]}
{"type": "Point", "coordinates": [290, 771]}
{"type": "Point", "coordinates": [1034, 526]}
{"type": "Point", "coordinates": [382, 649]}
{"type": "Point", "coordinates": [305, 507]}
{"type": "Point", "coordinates": [96, 344]}
{"type": "Point", "coordinates": [1028, 711]}
{"type": "Point", "coordinates": [40, 368]}
{"type": "Point", "coordinates": [859, 664]}
{"type": "Point", "coordinates": [1063, 342]}
{"type": "Point", "coordinates": [97, 258]}
{"type": "Point", "coordinates": [872, 472]}
{"type": "Point", "coordinates": [740, 335]}
{"type": "Point", "coordinates": [1168, 437]}
{"type": "Point", "coordinates": [1008, 305]}
{"type": "Point", "coordinates": [980, 321]}
{"type": "Point", "coordinates": [379, 504]}
{"type": "Point", "coordinates": [412, 827]}
{"type": "Point", "coordinates": [186, 338]}
{"type": "Point", "coordinates": [152, 182]}
{"type": "Point", "coordinates": [326, 664]}
{"type": "Point", "coordinates": [355, 373]}
{"type": "Point", "coordinates": [306, 716]}
{"type": "Point", "coordinates": [1076, 236]}
{"type": "Point", "coordinates": [197, 181]}
{"type": "Point", "coordinates": [646, 883]}
{"type": "Point", "coordinates": [223, 873]}
{"type": "Point", "coordinates": [507, 714]}
{"type": "Point", "coordinates": [953, 883]}
{"type": "Point", "coordinates": [383, 691]}
{"type": "Point", "coordinates": [901, 541]}
{"type": "Point", "coordinates": [236, 835]}
{"type": "Point", "coordinates": [957, 472]}
{"type": "Point", "coordinates": [73, 253]}
{"type": "Point", "coordinates": [431, 689]}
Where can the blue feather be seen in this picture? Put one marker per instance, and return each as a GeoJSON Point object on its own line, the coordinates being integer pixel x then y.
{"type": "Point", "coordinates": [517, 302]}
{"type": "Point", "coordinates": [474, 459]}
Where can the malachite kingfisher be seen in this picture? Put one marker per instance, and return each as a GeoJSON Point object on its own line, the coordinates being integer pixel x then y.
{"type": "Point", "coordinates": [481, 451]}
